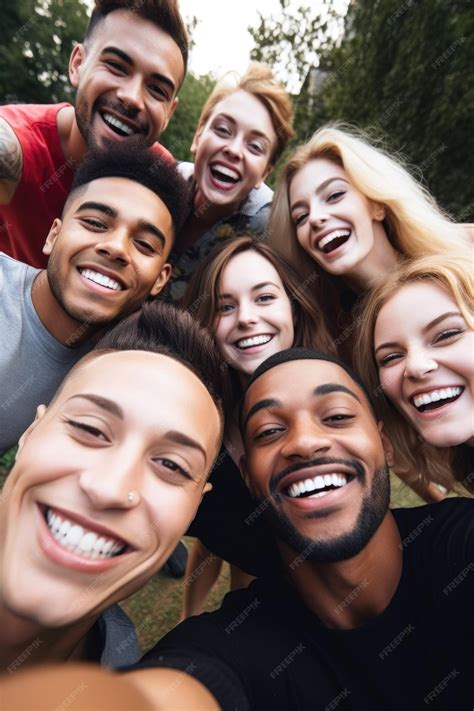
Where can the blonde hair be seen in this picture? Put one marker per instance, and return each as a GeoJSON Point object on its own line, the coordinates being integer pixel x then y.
{"type": "Point", "coordinates": [413, 457]}
{"type": "Point", "coordinates": [414, 223]}
{"type": "Point", "coordinates": [259, 81]}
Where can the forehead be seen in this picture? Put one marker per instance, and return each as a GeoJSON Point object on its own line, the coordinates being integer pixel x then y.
{"type": "Point", "coordinates": [247, 110]}
{"type": "Point", "coordinates": [293, 383]}
{"type": "Point", "coordinates": [245, 270]}
{"type": "Point", "coordinates": [140, 201]}
{"type": "Point", "coordinates": [315, 172]}
{"type": "Point", "coordinates": [430, 300]}
{"type": "Point", "coordinates": [143, 40]}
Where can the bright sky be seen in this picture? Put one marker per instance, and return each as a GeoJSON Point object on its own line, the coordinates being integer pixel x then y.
{"type": "Point", "coordinates": [222, 42]}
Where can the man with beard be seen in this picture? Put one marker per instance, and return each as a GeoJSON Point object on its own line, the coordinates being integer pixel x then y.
{"type": "Point", "coordinates": [127, 73]}
{"type": "Point", "coordinates": [107, 254]}
{"type": "Point", "coordinates": [372, 608]}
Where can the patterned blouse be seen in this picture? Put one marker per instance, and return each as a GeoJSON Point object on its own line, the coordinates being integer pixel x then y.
{"type": "Point", "coordinates": [252, 217]}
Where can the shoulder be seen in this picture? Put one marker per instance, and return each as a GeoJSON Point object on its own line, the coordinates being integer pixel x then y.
{"type": "Point", "coordinates": [257, 199]}
{"type": "Point", "coordinates": [12, 271]}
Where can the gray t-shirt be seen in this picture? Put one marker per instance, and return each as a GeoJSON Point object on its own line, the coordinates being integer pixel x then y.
{"type": "Point", "coordinates": [32, 362]}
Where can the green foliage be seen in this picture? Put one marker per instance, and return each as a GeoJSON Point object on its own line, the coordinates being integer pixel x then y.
{"type": "Point", "coordinates": [37, 37]}
{"type": "Point", "coordinates": [179, 134]}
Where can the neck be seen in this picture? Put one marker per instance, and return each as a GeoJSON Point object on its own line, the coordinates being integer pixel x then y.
{"type": "Point", "coordinates": [207, 213]}
{"type": "Point", "coordinates": [346, 594]}
{"type": "Point", "coordinates": [25, 643]}
{"type": "Point", "coordinates": [54, 318]}
{"type": "Point", "coordinates": [73, 144]}
{"type": "Point", "coordinates": [383, 258]}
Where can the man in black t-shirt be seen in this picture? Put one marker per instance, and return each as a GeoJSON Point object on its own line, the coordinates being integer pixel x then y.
{"type": "Point", "coordinates": [373, 608]}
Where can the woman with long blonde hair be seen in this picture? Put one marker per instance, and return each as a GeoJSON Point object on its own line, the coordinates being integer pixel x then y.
{"type": "Point", "coordinates": [416, 353]}
{"type": "Point", "coordinates": [346, 212]}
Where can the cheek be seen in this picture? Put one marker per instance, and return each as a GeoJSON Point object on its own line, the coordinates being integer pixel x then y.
{"type": "Point", "coordinates": [391, 381]}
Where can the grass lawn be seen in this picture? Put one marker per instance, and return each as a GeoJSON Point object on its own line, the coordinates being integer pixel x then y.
{"type": "Point", "coordinates": [157, 607]}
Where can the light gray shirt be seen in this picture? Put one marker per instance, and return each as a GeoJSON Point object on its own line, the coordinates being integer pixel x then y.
{"type": "Point", "coordinates": [32, 362]}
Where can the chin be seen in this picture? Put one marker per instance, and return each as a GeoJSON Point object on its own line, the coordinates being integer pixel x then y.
{"type": "Point", "coordinates": [447, 437]}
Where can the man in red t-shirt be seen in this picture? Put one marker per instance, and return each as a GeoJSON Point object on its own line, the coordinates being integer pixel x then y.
{"type": "Point", "coordinates": [127, 73]}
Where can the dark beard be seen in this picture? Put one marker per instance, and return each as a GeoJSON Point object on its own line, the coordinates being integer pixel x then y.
{"type": "Point", "coordinates": [374, 508]}
{"type": "Point", "coordinates": [84, 120]}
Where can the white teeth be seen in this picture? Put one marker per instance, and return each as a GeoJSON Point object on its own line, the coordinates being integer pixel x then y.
{"type": "Point", "coordinates": [253, 341]}
{"type": "Point", "coordinates": [100, 279]}
{"type": "Point", "coordinates": [226, 171]}
{"type": "Point", "coordinates": [334, 235]}
{"type": "Point", "coordinates": [81, 541]}
{"type": "Point", "coordinates": [316, 483]}
{"type": "Point", "coordinates": [436, 396]}
{"type": "Point", "coordinates": [112, 121]}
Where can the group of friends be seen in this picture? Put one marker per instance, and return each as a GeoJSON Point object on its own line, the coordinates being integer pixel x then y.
{"type": "Point", "coordinates": [184, 351]}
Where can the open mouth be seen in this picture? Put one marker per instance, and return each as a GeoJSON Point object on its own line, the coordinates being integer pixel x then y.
{"type": "Point", "coordinates": [223, 174]}
{"type": "Point", "coordinates": [80, 540]}
{"type": "Point", "coordinates": [100, 279]}
{"type": "Point", "coordinates": [425, 402]}
{"type": "Point", "coordinates": [117, 126]}
{"type": "Point", "coordinates": [333, 240]}
{"type": "Point", "coordinates": [252, 341]}
{"type": "Point", "coordinates": [318, 486]}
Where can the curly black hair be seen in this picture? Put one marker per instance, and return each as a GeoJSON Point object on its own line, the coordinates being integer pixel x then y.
{"type": "Point", "coordinates": [131, 159]}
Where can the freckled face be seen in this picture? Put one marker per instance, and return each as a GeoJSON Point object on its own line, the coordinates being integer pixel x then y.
{"type": "Point", "coordinates": [334, 222]}
{"type": "Point", "coordinates": [424, 351]}
{"type": "Point", "coordinates": [255, 316]}
{"type": "Point", "coordinates": [124, 422]}
{"type": "Point", "coordinates": [233, 151]}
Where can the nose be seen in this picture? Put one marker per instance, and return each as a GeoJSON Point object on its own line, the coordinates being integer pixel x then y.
{"type": "Point", "coordinates": [305, 439]}
{"type": "Point", "coordinates": [247, 314]}
{"type": "Point", "coordinates": [419, 363]}
{"type": "Point", "coordinates": [233, 147]}
{"type": "Point", "coordinates": [114, 246]}
{"type": "Point", "coordinates": [318, 214]}
{"type": "Point", "coordinates": [130, 93]}
{"type": "Point", "coordinates": [115, 483]}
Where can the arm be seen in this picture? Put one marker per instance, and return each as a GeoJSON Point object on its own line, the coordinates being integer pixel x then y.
{"type": "Point", "coordinates": [11, 162]}
{"type": "Point", "coordinates": [172, 690]}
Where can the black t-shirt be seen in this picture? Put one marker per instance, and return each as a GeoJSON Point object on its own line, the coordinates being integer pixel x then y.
{"type": "Point", "coordinates": [231, 523]}
{"type": "Point", "coordinates": [263, 649]}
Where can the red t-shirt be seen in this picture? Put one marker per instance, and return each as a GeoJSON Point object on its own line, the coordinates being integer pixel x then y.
{"type": "Point", "coordinates": [45, 181]}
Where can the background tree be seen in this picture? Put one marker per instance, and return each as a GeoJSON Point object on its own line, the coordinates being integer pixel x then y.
{"type": "Point", "coordinates": [37, 37]}
{"type": "Point", "coordinates": [402, 71]}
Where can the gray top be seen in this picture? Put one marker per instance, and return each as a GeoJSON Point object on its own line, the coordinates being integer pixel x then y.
{"type": "Point", "coordinates": [251, 218]}
{"type": "Point", "coordinates": [32, 362]}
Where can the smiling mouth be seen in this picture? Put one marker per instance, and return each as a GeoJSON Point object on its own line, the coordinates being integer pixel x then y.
{"type": "Point", "coordinates": [252, 341]}
{"type": "Point", "coordinates": [224, 174]}
{"type": "Point", "coordinates": [80, 540]}
{"type": "Point", "coordinates": [101, 279]}
{"type": "Point", "coordinates": [317, 486]}
{"type": "Point", "coordinates": [117, 126]}
{"type": "Point", "coordinates": [333, 240]}
{"type": "Point", "coordinates": [425, 402]}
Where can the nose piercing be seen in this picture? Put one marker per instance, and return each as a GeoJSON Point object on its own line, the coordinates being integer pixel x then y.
{"type": "Point", "coordinates": [130, 496]}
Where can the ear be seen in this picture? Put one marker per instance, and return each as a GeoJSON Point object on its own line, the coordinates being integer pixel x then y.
{"type": "Point", "coordinates": [207, 487]}
{"type": "Point", "coordinates": [171, 112]}
{"type": "Point", "coordinates": [76, 60]}
{"type": "Point", "coordinates": [52, 236]}
{"type": "Point", "coordinates": [196, 137]}
{"type": "Point", "coordinates": [40, 412]}
{"type": "Point", "coordinates": [387, 446]}
{"type": "Point", "coordinates": [161, 281]}
{"type": "Point", "coordinates": [267, 172]}
{"type": "Point", "coordinates": [378, 212]}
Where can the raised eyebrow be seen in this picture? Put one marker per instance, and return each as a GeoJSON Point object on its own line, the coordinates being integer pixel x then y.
{"type": "Point", "coordinates": [261, 405]}
{"type": "Point", "coordinates": [438, 320]}
{"type": "Point", "coordinates": [320, 188]}
{"type": "Point", "coordinates": [328, 388]}
{"type": "Point", "coordinates": [263, 284]}
{"type": "Point", "coordinates": [104, 403]}
{"type": "Point", "coordinates": [128, 60]}
{"type": "Point", "coordinates": [389, 344]}
{"type": "Point", "coordinates": [99, 206]}
{"type": "Point", "coordinates": [183, 439]}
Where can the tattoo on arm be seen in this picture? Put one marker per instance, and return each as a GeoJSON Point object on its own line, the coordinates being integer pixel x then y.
{"type": "Point", "coordinates": [11, 159]}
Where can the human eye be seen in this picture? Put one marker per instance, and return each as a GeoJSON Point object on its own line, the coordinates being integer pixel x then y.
{"type": "Point", "coordinates": [221, 129]}
{"type": "Point", "coordinates": [338, 419]}
{"type": "Point", "coordinates": [335, 195]}
{"type": "Point", "coordinates": [300, 219]}
{"type": "Point", "coordinates": [268, 433]}
{"type": "Point", "coordinates": [172, 469]}
{"type": "Point", "coordinates": [388, 359]}
{"type": "Point", "coordinates": [94, 224]}
{"type": "Point", "coordinates": [144, 246]}
{"type": "Point", "coordinates": [265, 298]}
{"type": "Point", "coordinates": [257, 147]}
{"type": "Point", "coordinates": [85, 430]}
{"type": "Point", "coordinates": [158, 91]}
{"type": "Point", "coordinates": [448, 334]}
{"type": "Point", "coordinates": [226, 308]}
{"type": "Point", "coordinates": [115, 66]}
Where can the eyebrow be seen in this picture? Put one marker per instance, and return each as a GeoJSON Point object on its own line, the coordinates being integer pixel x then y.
{"type": "Point", "coordinates": [102, 402]}
{"type": "Point", "coordinates": [425, 329]}
{"type": "Point", "coordinates": [148, 227]}
{"type": "Point", "coordinates": [319, 189]}
{"type": "Point", "coordinates": [186, 441]}
{"type": "Point", "coordinates": [128, 60]}
{"type": "Point", "coordinates": [261, 405]}
{"type": "Point", "coordinates": [112, 212]}
{"type": "Point", "coordinates": [254, 288]}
